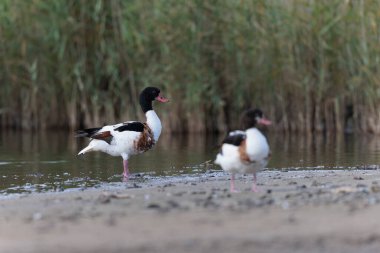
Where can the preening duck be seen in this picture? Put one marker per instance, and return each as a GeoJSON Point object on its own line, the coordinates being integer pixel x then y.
{"type": "Point", "coordinates": [245, 151]}
{"type": "Point", "coordinates": [128, 138]}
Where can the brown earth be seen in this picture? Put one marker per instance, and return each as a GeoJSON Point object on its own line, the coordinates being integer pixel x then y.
{"type": "Point", "coordinates": [295, 211]}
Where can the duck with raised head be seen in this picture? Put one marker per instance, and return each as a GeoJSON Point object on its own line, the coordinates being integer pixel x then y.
{"type": "Point", "coordinates": [245, 151]}
{"type": "Point", "coordinates": [128, 138]}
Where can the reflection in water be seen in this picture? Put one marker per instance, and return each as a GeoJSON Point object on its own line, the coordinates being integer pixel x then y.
{"type": "Point", "coordinates": [40, 162]}
{"type": "Point", "coordinates": [327, 152]}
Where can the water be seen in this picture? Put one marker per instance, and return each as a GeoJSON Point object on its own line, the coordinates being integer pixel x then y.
{"type": "Point", "coordinates": [38, 162]}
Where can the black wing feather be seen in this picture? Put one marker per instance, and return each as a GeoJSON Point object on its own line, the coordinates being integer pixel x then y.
{"type": "Point", "coordinates": [235, 138]}
{"type": "Point", "coordinates": [87, 132]}
{"type": "Point", "coordinates": [131, 126]}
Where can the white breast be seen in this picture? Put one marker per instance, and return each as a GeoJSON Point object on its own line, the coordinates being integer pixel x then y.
{"type": "Point", "coordinates": [154, 123]}
{"type": "Point", "coordinates": [257, 145]}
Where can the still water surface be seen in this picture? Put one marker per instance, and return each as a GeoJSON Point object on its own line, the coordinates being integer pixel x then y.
{"type": "Point", "coordinates": [38, 162]}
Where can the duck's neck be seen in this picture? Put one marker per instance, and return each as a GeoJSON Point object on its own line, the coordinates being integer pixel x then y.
{"type": "Point", "coordinates": [146, 105]}
{"type": "Point", "coordinates": [252, 130]}
{"type": "Point", "coordinates": [154, 123]}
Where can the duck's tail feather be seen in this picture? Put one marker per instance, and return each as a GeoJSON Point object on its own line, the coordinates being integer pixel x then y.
{"type": "Point", "coordinates": [85, 150]}
{"type": "Point", "coordinates": [87, 132]}
{"type": "Point", "coordinates": [218, 159]}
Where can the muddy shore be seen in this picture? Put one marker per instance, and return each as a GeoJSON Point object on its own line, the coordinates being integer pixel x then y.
{"type": "Point", "coordinates": [295, 211]}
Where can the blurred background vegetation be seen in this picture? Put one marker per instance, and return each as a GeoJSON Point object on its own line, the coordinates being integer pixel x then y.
{"type": "Point", "coordinates": [311, 65]}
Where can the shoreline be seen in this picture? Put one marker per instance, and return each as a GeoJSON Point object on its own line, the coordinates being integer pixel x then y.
{"type": "Point", "coordinates": [295, 211]}
{"type": "Point", "coordinates": [143, 180]}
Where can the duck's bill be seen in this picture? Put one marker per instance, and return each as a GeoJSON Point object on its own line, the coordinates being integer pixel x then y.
{"type": "Point", "coordinates": [264, 121]}
{"type": "Point", "coordinates": [162, 99]}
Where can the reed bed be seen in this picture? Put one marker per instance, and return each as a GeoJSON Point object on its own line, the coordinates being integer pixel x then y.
{"type": "Point", "coordinates": [311, 65]}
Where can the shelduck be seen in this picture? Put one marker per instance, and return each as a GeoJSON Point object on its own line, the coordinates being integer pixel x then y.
{"type": "Point", "coordinates": [245, 151]}
{"type": "Point", "coordinates": [128, 138]}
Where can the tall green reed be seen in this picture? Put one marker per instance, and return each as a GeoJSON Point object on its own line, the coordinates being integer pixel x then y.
{"type": "Point", "coordinates": [70, 63]}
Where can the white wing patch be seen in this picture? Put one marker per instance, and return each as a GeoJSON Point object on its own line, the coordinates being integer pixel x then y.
{"type": "Point", "coordinates": [236, 132]}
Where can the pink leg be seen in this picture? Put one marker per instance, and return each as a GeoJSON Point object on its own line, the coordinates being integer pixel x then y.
{"type": "Point", "coordinates": [232, 183]}
{"type": "Point", "coordinates": [254, 185]}
{"type": "Point", "coordinates": [126, 171]}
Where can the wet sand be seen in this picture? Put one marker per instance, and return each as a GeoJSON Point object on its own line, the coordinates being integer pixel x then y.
{"type": "Point", "coordinates": [295, 211]}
